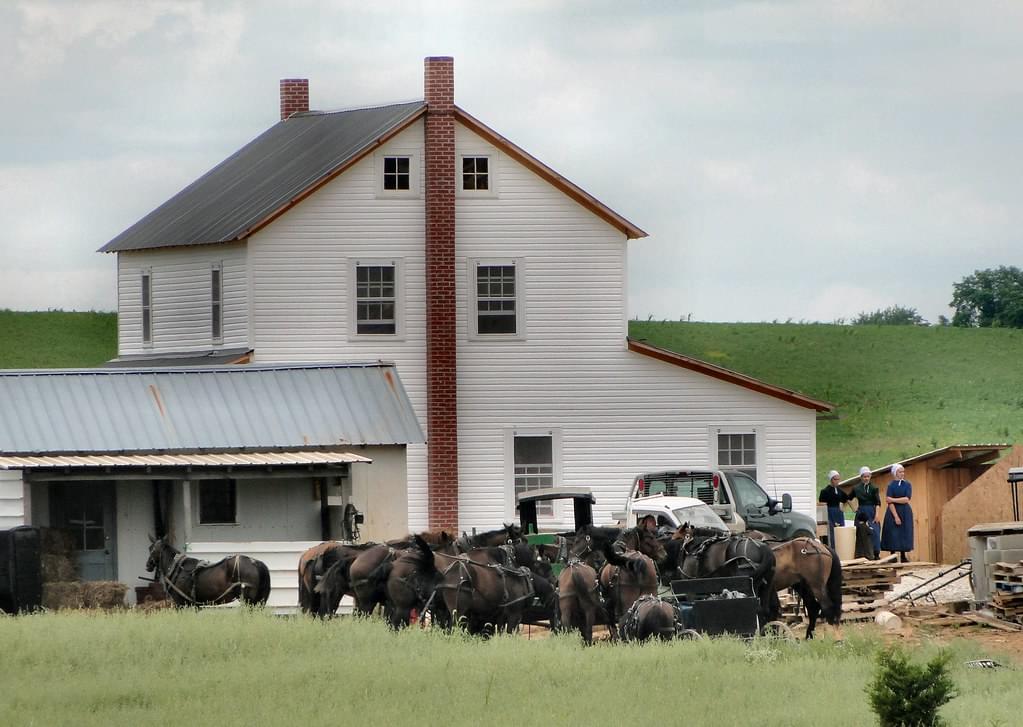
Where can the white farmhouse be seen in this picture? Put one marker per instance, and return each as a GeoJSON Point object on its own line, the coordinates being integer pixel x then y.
{"type": "Point", "coordinates": [416, 234]}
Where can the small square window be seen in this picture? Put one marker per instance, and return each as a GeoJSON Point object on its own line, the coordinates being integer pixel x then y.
{"type": "Point", "coordinates": [476, 173]}
{"type": "Point", "coordinates": [397, 173]}
{"type": "Point", "coordinates": [218, 502]}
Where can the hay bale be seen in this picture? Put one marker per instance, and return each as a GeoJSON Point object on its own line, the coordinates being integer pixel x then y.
{"type": "Point", "coordinates": [104, 594]}
{"type": "Point", "coordinates": [57, 569]}
{"type": "Point", "coordinates": [56, 541]}
{"type": "Point", "coordinates": [57, 596]}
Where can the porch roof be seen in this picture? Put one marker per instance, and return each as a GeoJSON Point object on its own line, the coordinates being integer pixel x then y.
{"type": "Point", "coordinates": [195, 459]}
{"type": "Point", "coordinates": [204, 410]}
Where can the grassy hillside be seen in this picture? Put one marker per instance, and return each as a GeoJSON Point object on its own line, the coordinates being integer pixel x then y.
{"type": "Point", "coordinates": [55, 339]}
{"type": "Point", "coordinates": [900, 390]}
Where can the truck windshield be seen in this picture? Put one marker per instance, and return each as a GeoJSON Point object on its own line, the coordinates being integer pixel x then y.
{"type": "Point", "coordinates": [700, 516]}
{"type": "Point", "coordinates": [747, 491]}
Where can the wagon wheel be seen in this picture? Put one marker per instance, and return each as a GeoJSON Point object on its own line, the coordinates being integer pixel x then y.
{"type": "Point", "coordinates": [690, 635]}
{"type": "Point", "coordinates": [778, 630]}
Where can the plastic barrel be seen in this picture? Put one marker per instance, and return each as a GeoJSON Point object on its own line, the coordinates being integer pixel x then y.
{"type": "Point", "coordinates": [845, 541]}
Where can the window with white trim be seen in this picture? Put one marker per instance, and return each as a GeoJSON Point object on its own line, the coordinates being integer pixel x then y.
{"type": "Point", "coordinates": [376, 298]}
{"type": "Point", "coordinates": [397, 173]}
{"type": "Point", "coordinates": [497, 299]}
{"type": "Point", "coordinates": [737, 450]}
{"type": "Point", "coordinates": [476, 173]}
{"type": "Point", "coordinates": [217, 303]}
{"type": "Point", "coordinates": [147, 306]}
{"type": "Point", "coordinates": [218, 502]}
{"type": "Point", "coordinates": [534, 466]}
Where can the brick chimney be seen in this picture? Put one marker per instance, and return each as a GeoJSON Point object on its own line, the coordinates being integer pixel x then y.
{"type": "Point", "coordinates": [441, 379]}
{"type": "Point", "coordinates": [294, 96]}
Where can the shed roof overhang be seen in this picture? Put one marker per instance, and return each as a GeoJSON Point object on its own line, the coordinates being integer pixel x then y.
{"type": "Point", "coordinates": [952, 456]}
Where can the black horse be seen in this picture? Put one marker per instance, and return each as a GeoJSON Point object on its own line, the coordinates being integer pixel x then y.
{"type": "Point", "coordinates": [700, 553]}
{"type": "Point", "coordinates": [193, 582]}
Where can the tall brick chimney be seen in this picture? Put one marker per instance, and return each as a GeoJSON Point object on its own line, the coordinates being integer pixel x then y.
{"type": "Point", "coordinates": [294, 96]}
{"type": "Point", "coordinates": [441, 379]}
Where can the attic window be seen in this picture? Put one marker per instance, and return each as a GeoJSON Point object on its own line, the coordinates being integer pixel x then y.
{"type": "Point", "coordinates": [476, 173]}
{"type": "Point", "coordinates": [147, 306]}
{"type": "Point", "coordinates": [397, 173]}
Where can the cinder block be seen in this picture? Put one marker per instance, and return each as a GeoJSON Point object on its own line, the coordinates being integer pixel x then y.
{"type": "Point", "coordinates": [1003, 556]}
{"type": "Point", "coordinates": [1005, 542]}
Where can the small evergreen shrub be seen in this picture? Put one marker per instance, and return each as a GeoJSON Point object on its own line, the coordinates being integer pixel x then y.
{"type": "Point", "coordinates": [904, 694]}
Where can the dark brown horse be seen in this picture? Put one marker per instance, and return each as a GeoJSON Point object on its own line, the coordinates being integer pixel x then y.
{"type": "Point", "coordinates": [650, 617]}
{"type": "Point", "coordinates": [193, 582]}
{"type": "Point", "coordinates": [814, 571]}
{"type": "Point", "coordinates": [491, 586]}
{"type": "Point", "coordinates": [411, 581]}
{"type": "Point", "coordinates": [509, 533]}
{"type": "Point", "coordinates": [313, 564]}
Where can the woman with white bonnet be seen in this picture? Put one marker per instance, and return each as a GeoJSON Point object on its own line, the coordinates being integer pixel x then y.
{"type": "Point", "coordinates": [868, 507]}
{"type": "Point", "coordinates": [833, 496]}
{"type": "Point", "coordinates": [897, 535]}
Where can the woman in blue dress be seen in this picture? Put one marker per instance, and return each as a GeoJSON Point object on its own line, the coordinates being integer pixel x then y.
{"type": "Point", "coordinates": [897, 535]}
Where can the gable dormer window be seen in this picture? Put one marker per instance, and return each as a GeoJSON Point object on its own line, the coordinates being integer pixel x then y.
{"type": "Point", "coordinates": [476, 173]}
{"type": "Point", "coordinates": [217, 303]}
{"type": "Point", "coordinates": [397, 173]}
{"type": "Point", "coordinates": [147, 306]}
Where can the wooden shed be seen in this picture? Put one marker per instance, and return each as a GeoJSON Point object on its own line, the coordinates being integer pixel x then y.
{"type": "Point", "coordinates": [939, 478]}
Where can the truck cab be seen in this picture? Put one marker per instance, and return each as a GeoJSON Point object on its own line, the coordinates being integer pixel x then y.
{"type": "Point", "coordinates": [735, 497]}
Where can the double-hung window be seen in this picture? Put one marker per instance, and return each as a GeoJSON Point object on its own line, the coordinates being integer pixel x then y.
{"type": "Point", "coordinates": [147, 306]}
{"type": "Point", "coordinates": [497, 298]}
{"type": "Point", "coordinates": [376, 298]}
{"type": "Point", "coordinates": [534, 466]}
{"type": "Point", "coordinates": [217, 303]}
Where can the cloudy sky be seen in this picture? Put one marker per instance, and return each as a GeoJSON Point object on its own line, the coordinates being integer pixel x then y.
{"type": "Point", "coordinates": [790, 160]}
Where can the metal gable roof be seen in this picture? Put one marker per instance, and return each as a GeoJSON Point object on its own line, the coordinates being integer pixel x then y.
{"type": "Point", "coordinates": [209, 409]}
{"type": "Point", "coordinates": [264, 177]}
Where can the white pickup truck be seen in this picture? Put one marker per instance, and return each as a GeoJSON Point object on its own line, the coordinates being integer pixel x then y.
{"type": "Point", "coordinates": [735, 498]}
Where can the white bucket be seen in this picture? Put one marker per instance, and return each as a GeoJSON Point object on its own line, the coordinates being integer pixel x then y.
{"type": "Point", "coordinates": [845, 541]}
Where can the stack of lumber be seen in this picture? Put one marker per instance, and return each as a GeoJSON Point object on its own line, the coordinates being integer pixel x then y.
{"type": "Point", "coordinates": [1007, 591]}
{"type": "Point", "coordinates": [954, 615]}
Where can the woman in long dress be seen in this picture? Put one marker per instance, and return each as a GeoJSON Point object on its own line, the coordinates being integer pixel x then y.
{"type": "Point", "coordinates": [897, 535]}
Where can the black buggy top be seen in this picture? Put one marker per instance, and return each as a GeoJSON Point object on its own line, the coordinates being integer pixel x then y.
{"type": "Point", "coordinates": [582, 505]}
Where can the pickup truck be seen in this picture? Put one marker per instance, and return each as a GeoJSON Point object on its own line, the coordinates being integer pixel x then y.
{"type": "Point", "coordinates": [733, 495]}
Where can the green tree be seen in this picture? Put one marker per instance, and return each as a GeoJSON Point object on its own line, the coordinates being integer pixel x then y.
{"type": "Point", "coordinates": [992, 297]}
{"type": "Point", "coordinates": [895, 315]}
{"type": "Point", "coordinates": [904, 694]}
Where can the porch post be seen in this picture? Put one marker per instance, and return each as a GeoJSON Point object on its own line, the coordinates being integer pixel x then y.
{"type": "Point", "coordinates": [186, 503]}
{"type": "Point", "coordinates": [321, 483]}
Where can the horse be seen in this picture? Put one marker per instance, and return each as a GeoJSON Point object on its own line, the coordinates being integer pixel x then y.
{"type": "Point", "coordinates": [313, 564]}
{"type": "Point", "coordinates": [492, 585]}
{"type": "Point", "coordinates": [708, 553]}
{"type": "Point", "coordinates": [629, 571]}
{"type": "Point", "coordinates": [193, 582]}
{"type": "Point", "coordinates": [508, 533]}
{"type": "Point", "coordinates": [649, 617]}
{"type": "Point", "coordinates": [815, 572]}
{"type": "Point", "coordinates": [579, 598]}
{"type": "Point", "coordinates": [411, 582]}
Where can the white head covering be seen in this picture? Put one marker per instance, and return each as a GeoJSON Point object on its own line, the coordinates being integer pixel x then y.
{"type": "Point", "coordinates": [832, 475]}
{"type": "Point", "coordinates": [895, 469]}
{"type": "Point", "coordinates": [864, 470]}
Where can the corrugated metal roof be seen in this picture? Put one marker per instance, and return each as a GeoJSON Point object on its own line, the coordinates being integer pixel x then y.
{"type": "Point", "coordinates": [263, 177]}
{"type": "Point", "coordinates": [205, 409]}
{"type": "Point", "coordinates": [235, 459]}
{"type": "Point", "coordinates": [211, 357]}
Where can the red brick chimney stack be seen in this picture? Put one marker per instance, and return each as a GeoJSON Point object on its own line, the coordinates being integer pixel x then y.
{"type": "Point", "coordinates": [441, 379]}
{"type": "Point", "coordinates": [294, 96]}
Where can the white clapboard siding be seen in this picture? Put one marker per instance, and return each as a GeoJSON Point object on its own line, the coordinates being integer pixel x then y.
{"type": "Point", "coordinates": [12, 499]}
{"type": "Point", "coordinates": [281, 559]}
{"type": "Point", "coordinates": [181, 298]}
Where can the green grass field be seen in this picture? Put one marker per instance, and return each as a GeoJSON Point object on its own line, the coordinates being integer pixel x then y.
{"type": "Point", "coordinates": [251, 668]}
{"type": "Point", "coordinates": [900, 390]}
{"type": "Point", "coordinates": [56, 339]}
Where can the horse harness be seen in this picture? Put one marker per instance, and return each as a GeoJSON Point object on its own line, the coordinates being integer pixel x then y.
{"type": "Point", "coordinates": [465, 582]}
{"type": "Point", "coordinates": [701, 551]}
{"type": "Point", "coordinates": [629, 625]}
{"type": "Point", "coordinates": [192, 571]}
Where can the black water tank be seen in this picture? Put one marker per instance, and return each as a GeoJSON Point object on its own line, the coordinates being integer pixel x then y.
{"type": "Point", "coordinates": [21, 581]}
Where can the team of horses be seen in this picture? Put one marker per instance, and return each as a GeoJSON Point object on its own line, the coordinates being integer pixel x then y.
{"type": "Point", "coordinates": [493, 581]}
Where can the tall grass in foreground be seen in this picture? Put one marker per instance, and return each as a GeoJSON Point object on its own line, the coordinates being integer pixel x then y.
{"type": "Point", "coordinates": [251, 668]}
{"type": "Point", "coordinates": [900, 390]}
{"type": "Point", "coordinates": [56, 339]}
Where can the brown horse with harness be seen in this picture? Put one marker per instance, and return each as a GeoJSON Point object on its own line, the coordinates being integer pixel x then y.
{"type": "Point", "coordinates": [193, 582]}
{"type": "Point", "coordinates": [814, 571]}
